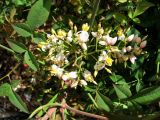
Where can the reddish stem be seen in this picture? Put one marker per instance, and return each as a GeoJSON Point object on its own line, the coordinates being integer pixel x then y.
{"type": "Point", "coordinates": [85, 113]}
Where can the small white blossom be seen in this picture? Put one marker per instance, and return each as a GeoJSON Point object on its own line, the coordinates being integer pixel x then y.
{"type": "Point", "coordinates": [83, 36]}
{"type": "Point", "coordinates": [84, 46]}
{"type": "Point", "coordinates": [74, 84]}
{"type": "Point", "coordinates": [130, 38]}
{"type": "Point", "coordinates": [109, 40]}
{"type": "Point", "coordinates": [55, 70]}
{"type": "Point", "coordinates": [122, 37]}
{"type": "Point", "coordinates": [65, 76]}
{"type": "Point", "coordinates": [88, 76]}
{"type": "Point", "coordinates": [73, 74]}
{"type": "Point", "coordinates": [129, 48]}
{"type": "Point", "coordinates": [132, 59]}
{"type": "Point", "coordinates": [83, 82]}
{"type": "Point", "coordinates": [94, 34]}
{"type": "Point", "coordinates": [70, 75]}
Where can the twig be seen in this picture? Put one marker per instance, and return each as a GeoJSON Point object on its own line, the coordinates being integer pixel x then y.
{"type": "Point", "coordinates": [9, 72]}
{"type": "Point", "coordinates": [85, 113]}
{"type": "Point", "coordinates": [94, 13]}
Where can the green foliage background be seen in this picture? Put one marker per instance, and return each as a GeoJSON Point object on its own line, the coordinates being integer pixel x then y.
{"type": "Point", "coordinates": [133, 89]}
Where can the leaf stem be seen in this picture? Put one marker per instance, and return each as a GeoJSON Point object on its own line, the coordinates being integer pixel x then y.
{"type": "Point", "coordinates": [94, 13]}
{"type": "Point", "coordinates": [85, 113]}
{"type": "Point", "coordinates": [6, 48]}
{"type": "Point", "coordinates": [9, 72]}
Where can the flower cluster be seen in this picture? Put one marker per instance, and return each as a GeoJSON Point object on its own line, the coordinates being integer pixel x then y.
{"type": "Point", "coordinates": [117, 49]}
{"type": "Point", "coordinates": [65, 53]}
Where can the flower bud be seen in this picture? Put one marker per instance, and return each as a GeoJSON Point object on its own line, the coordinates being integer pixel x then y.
{"type": "Point", "coordinates": [85, 27]}
{"type": "Point", "coordinates": [101, 31]}
{"type": "Point", "coordinates": [132, 59]}
{"type": "Point", "coordinates": [143, 44]}
{"type": "Point", "coordinates": [138, 40]}
{"type": "Point", "coordinates": [129, 48]}
{"type": "Point", "coordinates": [70, 23]}
{"type": "Point", "coordinates": [130, 38]}
{"type": "Point", "coordinates": [124, 50]}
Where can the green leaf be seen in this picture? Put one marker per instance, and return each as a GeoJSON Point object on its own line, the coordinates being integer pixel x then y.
{"type": "Point", "coordinates": [17, 46]}
{"type": "Point", "coordinates": [37, 38]}
{"type": "Point", "coordinates": [122, 91]}
{"type": "Point", "coordinates": [103, 102]}
{"type": "Point", "coordinates": [6, 90]}
{"type": "Point", "coordinates": [17, 101]}
{"type": "Point", "coordinates": [19, 2]}
{"type": "Point", "coordinates": [117, 79]}
{"type": "Point", "coordinates": [6, 48]}
{"type": "Point", "coordinates": [22, 29]}
{"type": "Point", "coordinates": [158, 56]}
{"type": "Point", "coordinates": [45, 109]}
{"type": "Point", "coordinates": [139, 85]}
{"type": "Point", "coordinates": [130, 14]}
{"type": "Point", "coordinates": [147, 96]}
{"type": "Point", "coordinates": [142, 7]}
{"type": "Point", "coordinates": [39, 13]}
{"type": "Point", "coordinates": [31, 60]}
{"type": "Point", "coordinates": [14, 83]}
{"type": "Point", "coordinates": [120, 17]}
{"type": "Point", "coordinates": [122, 1]}
{"type": "Point", "coordinates": [136, 20]}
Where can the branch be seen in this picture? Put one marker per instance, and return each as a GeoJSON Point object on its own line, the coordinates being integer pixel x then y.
{"type": "Point", "coordinates": [85, 113]}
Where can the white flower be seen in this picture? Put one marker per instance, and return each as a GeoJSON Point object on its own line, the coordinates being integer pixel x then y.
{"type": "Point", "coordinates": [44, 48]}
{"type": "Point", "coordinates": [70, 75]}
{"type": "Point", "coordinates": [52, 37]}
{"type": "Point", "coordinates": [56, 71]}
{"type": "Point", "coordinates": [60, 57]}
{"type": "Point", "coordinates": [124, 50]}
{"type": "Point", "coordinates": [99, 66]}
{"type": "Point", "coordinates": [103, 56]}
{"type": "Point", "coordinates": [129, 48]}
{"type": "Point", "coordinates": [69, 39]}
{"type": "Point", "coordinates": [83, 45]}
{"type": "Point", "coordinates": [74, 84]}
{"type": "Point", "coordinates": [83, 82]}
{"type": "Point", "coordinates": [130, 38]}
{"type": "Point", "coordinates": [83, 36]}
{"type": "Point", "coordinates": [122, 37]}
{"type": "Point", "coordinates": [94, 34]}
{"type": "Point", "coordinates": [65, 76]}
{"type": "Point", "coordinates": [132, 59]}
{"type": "Point", "coordinates": [109, 40]}
{"type": "Point", "coordinates": [70, 33]}
{"type": "Point", "coordinates": [69, 36]}
{"type": "Point", "coordinates": [88, 76]}
{"type": "Point", "coordinates": [73, 74]}
{"type": "Point", "coordinates": [102, 42]}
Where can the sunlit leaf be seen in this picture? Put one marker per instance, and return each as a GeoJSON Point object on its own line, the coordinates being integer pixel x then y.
{"type": "Point", "coordinates": [17, 46]}
{"type": "Point", "coordinates": [103, 102]}
{"type": "Point", "coordinates": [6, 90]}
{"type": "Point", "coordinates": [14, 83]}
{"type": "Point", "coordinates": [39, 13]}
{"type": "Point", "coordinates": [122, 1]}
{"type": "Point", "coordinates": [31, 60]}
{"type": "Point", "coordinates": [122, 91]}
{"type": "Point", "coordinates": [22, 29]}
{"type": "Point", "coordinates": [142, 7]}
{"type": "Point", "coordinates": [147, 96]}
